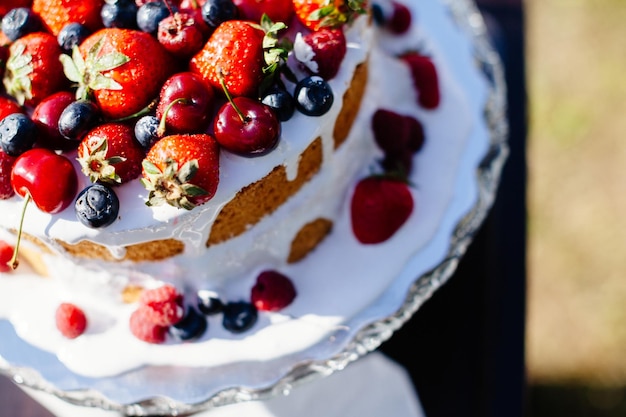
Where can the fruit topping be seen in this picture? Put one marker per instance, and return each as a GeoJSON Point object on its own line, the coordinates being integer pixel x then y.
{"type": "Point", "coordinates": [209, 302]}
{"type": "Point", "coordinates": [6, 253]}
{"type": "Point", "coordinates": [239, 316]}
{"type": "Point", "coordinates": [425, 79]}
{"type": "Point", "coordinates": [78, 118]}
{"type": "Point", "coordinates": [46, 116]}
{"type": "Point", "coordinates": [281, 102]}
{"type": "Point", "coordinates": [321, 52]}
{"type": "Point", "coordinates": [150, 15]}
{"type": "Point", "coordinates": [399, 137]}
{"type": "Point", "coordinates": [181, 34]}
{"type": "Point", "coordinates": [379, 207]}
{"type": "Point", "coordinates": [182, 170]}
{"type": "Point", "coordinates": [313, 95]}
{"type": "Point", "coordinates": [71, 320]}
{"type": "Point", "coordinates": [316, 14]}
{"type": "Point", "coordinates": [17, 134]}
{"type": "Point", "coordinates": [162, 305]}
{"type": "Point", "coordinates": [148, 131]}
{"type": "Point", "coordinates": [97, 206]}
{"type": "Point", "coordinates": [19, 22]}
{"type": "Point", "coordinates": [144, 329]}
{"type": "Point", "coordinates": [71, 35]}
{"type": "Point", "coordinates": [6, 164]}
{"type": "Point", "coordinates": [272, 291]}
{"type": "Point", "coordinates": [216, 12]}
{"type": "Point", "coordinates": [276, 10]}
{"type": "Point", "coordinates": [191, 327]}
{"type": "Point", "coordinates": [397, 19]}
{"type": "Point", "coordinates": [56, 13]}
{"type": "Point", "coordinates": [120, 14]}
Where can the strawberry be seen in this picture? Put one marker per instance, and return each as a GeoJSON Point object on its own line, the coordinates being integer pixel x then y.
{"type": "Point", "coordinates": [109, 153]}
{"type": "Point", "coordinates": [379, 207]}
{"type": "Point", "coordinates": [182, 170]}
{"type": "Point", "coordinates": [316, 14]}
{"type": "Point", "coordinates": [399, 137]}
{"type": "Point", "coordinates": [425, 79]}
{"type": "Point", "coordinates": [70, 320]}
{"type": "Point", "coordinates": [7, 5]}
{"type": "Point", "coordinates": [57, 13]}
{"type": "Point", "coordinates": [33, 70]}
{"type": "Point", "coordinates": [272, 291]}
{"type": "Point", "coordinates": [6, 164]}
{"type": "Point", "coordinates": [9, 106]}
{"type": "Point", "coordinates": [122, 69]}
{"type": "Point", "coordinates": [321, 52]}
{"type": "Point", "coordinates": [235, 52]}
{"type": "Point", "coordinates": [276, 10]}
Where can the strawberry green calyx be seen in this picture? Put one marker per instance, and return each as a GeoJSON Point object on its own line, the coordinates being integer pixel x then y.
{"type": "Point", "coordinates": [16, 79]}
{"type": "Point", "coordinates": [88, 72]}
{"type": "Point", "coordinates": [172, 185]}
{"type": "Point", "coordinates": [100, 168]}
{"type": "Point", "coordinates": [275, 52]}
{"type": "Point", "coordinates": [334, 16]}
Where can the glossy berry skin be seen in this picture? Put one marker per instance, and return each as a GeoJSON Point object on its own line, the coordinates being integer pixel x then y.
{"type": "Point", "coordinates": [276, 10]}
{"type": "Point", "coordinates": [216, 12]}
{"type": "Point", "coordinates": [181, 35]}
{"type": "Point", "coordinates": [399, 137]}
{"type": "Point", "coordinates": [321, 52]}
{"type": "Point", "coordinates": [6, 253]}
{"type": "Point", "coordinates": [209, 303]}
{"type": "Point", "coordinates": [49, 178]}
{"type": "Point", "coordinates": [279, 100]}
{"type": "Point", "coordinates": [71, 320]}
{"type": "Point", "coordinates": [147, 131]}
{"type": "Point", "coordinates": [17, 134]}
{"type": "Point", "coordinates": [193, 113]}
{"type": "Point", "coordinates": [9, 106]}
{"type": "Point", "coordinates": [255, 135]}
{"type": "Point", "coordinates": [150, 14]}
{"type": "Point", "coordinates": [46, 116]}
{"type": "Point", "coordinates": [272, 291]}
{"type": "Point", "coordinates": [191, 327]}
{"type": "Point", "coordinates": [239, 316]}
{"type": "Point", "coordinates": [313, 95]}
{"type": "Point", "coordinates": [6, 165]}
{"type": "Point", "coordinates": [57, 13]}
{"type": "Point", "coordinates": [120, 14]}
{"type": "Point", "coordinates": [97, 206]}
{"type": "Point", "coordinates": [19, 22]}
{"type": "Point", "coordinates": [77, 119]}
{"type": "Point", "coordinates": [71, 35]}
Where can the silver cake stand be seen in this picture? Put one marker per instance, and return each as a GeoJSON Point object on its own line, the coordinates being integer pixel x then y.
{"type": "Point", "coordinates": [183, 391]}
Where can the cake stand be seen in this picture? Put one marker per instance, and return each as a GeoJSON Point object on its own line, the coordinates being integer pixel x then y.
{"type": "Point", "coordinates": [167, 390]}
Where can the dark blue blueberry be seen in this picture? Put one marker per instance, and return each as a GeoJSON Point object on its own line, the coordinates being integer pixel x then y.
{"type": "Point", "coordinates": [281, 102]}
{"type": "Point", "coordinates": [150, 14]}
{"type": "Point", "coordinates": [239, 316]}
{"type": "Point", "coordinates": [77, 119]}
{"type": "Point", "coordinates": [18, 134]}
{"type": "Point", "coordinates": [19, 22]}
{"type": "Point", "coordinates": [97, 206]}
{"type": "Point", "coordinates": [71, 35]}
{"type": "Point", "coordinates": [209, 302]}
{"type": "Point", "coordinates": [147, 131]}
{"type": "Point", "coordinates": [192, 326]}
{"type": "Point", "coordinates": [216, 12]}
{"type": "Point", "coordinates": [314, 96]}
{"type": "Point", "coordinates": [119, 14]}
{"type": "Point", "coordinates": [378, 14]}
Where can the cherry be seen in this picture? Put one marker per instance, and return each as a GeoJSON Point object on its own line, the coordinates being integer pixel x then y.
{"type": "Point", "coordinates": [276, 10]}
{"type": "Point", "coordinates": [181, 34]}
{"type": "Point", "coordinates": [246, 127]}
{"type": "Point", "coordinates": [6, 254]}
{"type": "Point", "coordinates": [46, 116]}
{"type": "Point", "coordinates": [191, 113]}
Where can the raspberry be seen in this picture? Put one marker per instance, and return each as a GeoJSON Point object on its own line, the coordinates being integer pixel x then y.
{"type": "Point", "coordinates": [321, 52]}
{"type": "Point", "coordinates": [272, 292]}
{"type": "Point", "coordinates": [6, 253]}
{"type": "Point", "coordinates": [143, 329]}
{"type": "Point", "coordinates": [425, 79]}
{"type": "Point", "coordinates": [70, 320]}
{"type": "Point", "coordinates": [162, 306]}
{"type": "Point", "coordinates": [400, 20]}
{"type": "Point", "coordinates": [399, 137]}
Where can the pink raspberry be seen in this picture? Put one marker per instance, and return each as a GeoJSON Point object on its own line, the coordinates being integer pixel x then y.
{"type": "Point", "coordinates": [70, 320]}
{"type": "Point", "coordinates": [162, 306]}
{"type": "Point", "coordinates": [144, 329]}
{"type": "Point", "coordinates": [272, 292]}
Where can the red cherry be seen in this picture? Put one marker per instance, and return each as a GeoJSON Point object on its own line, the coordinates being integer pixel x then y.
{"type": "Point", "coordinates": [181, 34]}
{"type": "Point", "coordinates": [6, 253]}
{"type": "Point", "coordinates": [276, 10]}
{"type": "Point", "coordinates": [194, 103]}
{"type": "Point", "coordinates": [246, 127]}
{"type": "Point", "coordinates": [46, 117]}
{"type": "Point", "coordinates": [49, 178]}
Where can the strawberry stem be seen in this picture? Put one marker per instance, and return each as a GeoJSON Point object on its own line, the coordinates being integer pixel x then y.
{"type": "Point", "coordinates": [14, 262]}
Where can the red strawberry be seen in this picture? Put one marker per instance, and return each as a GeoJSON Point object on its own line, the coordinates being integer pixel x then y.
{"type": "Point", "coordinates": [109, 153]}
{"type": "Point", "coordinates": [6, 254]}
{"type": "Point", "coordinates": [399, 137]}
{"type": "Point", "coordinates": [425, 79]}
{"type": "Point", "coordinates": [182, 170]}
{"type": "Point", "coordinates": [162, 305]}
{"type": "Point", "coordinates": [316, 14]}
{"type": "Point", "coordinates": [276, 10]}
{"type": "Point", "coordinates": [235, 52]}
{"type": "Point", "coordinates": [123, 69]}
{"type": "Point", "coordinates": [57, 13]}
{"type": "Point", "coordinates": [379, 207]}
{"type": "Point", "coordinates": [33, 69]}
{"type": "Point", "coordinates": [143, 329]}
{"type": "Point", "coordinates": [70, 320]}
{"type": "Point", "coordinates": [7, 5]}
{"type": "Point", "coordinates": [272, 291]}
{"type": "Point", "coordinates": [321, 52]}
{"type": "Point", "coordinates": [6, 164]}
{"type": "Point", "coordinates": [8, 106]}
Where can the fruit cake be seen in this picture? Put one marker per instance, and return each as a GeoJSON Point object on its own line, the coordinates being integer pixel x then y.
{"type": "Point", "coordinates": [169, 165]}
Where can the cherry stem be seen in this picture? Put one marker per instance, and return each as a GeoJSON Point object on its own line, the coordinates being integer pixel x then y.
{"type": "Point", "coordinates": [230, 98]}
{"type": "Point", "coordinates": [162, 125]}
{"type": "Point", "coordinates": [14, 262]}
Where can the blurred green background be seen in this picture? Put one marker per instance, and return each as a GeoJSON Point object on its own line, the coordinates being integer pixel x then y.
{"type": "Point", "coordinates": [576, 334]}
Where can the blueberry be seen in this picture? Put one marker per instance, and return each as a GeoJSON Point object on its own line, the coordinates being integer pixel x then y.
{"type": "Point", "coordinates": [239, 316]}
{"type": "Point", "coordinates": [192, 326]}
{"type": "Point", "coordinates": [97, 206]}
{"type": "Point", "coordinates": [209, 302]}
{"type": "Point", "coordinates": [19, 22]}
{"type": "Point", "coordinates": [71, 35]}
{"type": "Point", "coordinates": [378, 14]}
{"type": "Point", "coordinates": [314, 96]}
{"type": "Point", "coordinates": [281, 102]}
{"type": "Point", "coordinates": [18, 134]}
{"type": "Point", "coordinates": [119, 14]}
{"type": "Point", "coordinates": [216, 12]}
{"type": "Point", "coordinates": [150, 14]}
{"type": "Point", "coordinates": [77, 119]}
{"type": "Point", "coordinates": [147, 131]}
